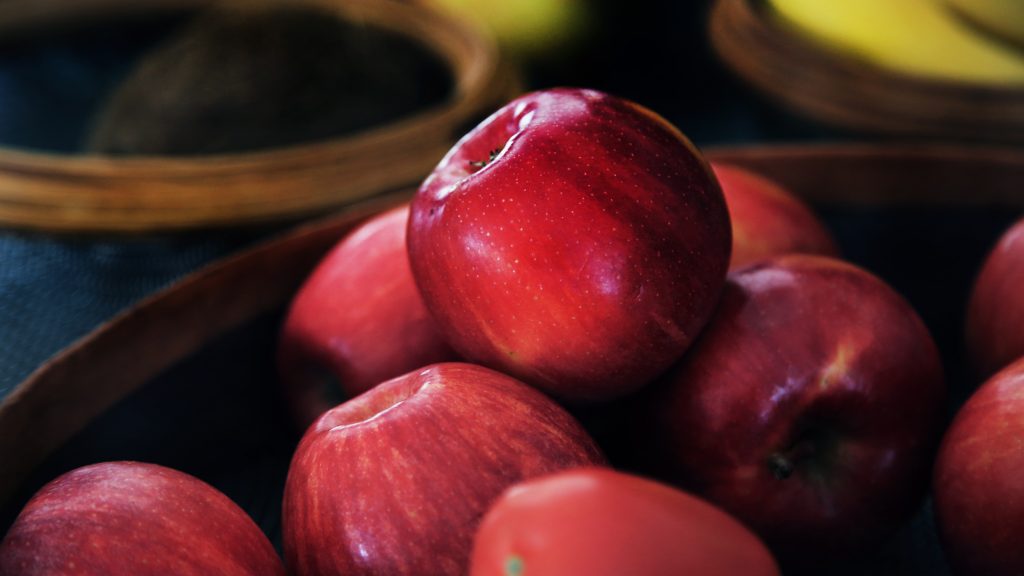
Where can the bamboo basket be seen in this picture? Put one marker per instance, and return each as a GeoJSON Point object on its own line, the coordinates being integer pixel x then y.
{"type": "Point", "coordinates": [101, 194]}
{"type": "Point", "coordinates": [839, 90]}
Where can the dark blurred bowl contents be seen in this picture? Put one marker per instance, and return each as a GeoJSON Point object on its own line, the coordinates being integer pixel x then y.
{"type": "Point", "coordinates": [53, 77]}
{"type": "Point", "coordinates": [240, 78]}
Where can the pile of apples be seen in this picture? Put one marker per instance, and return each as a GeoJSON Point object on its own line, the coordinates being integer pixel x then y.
{"type": "Point", "coordinates": [772, 407]}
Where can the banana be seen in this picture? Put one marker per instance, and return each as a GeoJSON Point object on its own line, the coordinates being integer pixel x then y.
{"type": "Point", "coordinates": [1004, 18]}
{"type": "Point", "coordinates": [527, 27]}
{"type": "Point", "coordinates": [914, 37]}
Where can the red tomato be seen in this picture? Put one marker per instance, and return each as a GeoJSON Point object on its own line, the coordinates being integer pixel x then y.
{"type": "Point", "coordinates": [593, 522]}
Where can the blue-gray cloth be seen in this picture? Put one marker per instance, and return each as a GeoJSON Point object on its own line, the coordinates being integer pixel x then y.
{"type": "Point", "coordinates": [54, 290]}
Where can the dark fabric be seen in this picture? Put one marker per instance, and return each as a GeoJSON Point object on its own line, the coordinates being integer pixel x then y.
{"type": "Point", "coordinates": [53, 290]}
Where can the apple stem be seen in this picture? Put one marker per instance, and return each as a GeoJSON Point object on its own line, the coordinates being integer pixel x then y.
{"type": "Point", "coordinates": [490, 158]}
{"type": "Point", "coordinates": [783, 463]}
{"type": "Point", "coordinates": [781, 466]}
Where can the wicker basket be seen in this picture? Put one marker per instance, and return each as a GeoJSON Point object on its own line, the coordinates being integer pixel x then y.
{"type": "Point", "coordinates": [88, 193]}
{"type": "Point", "coordinates": [843, 91]}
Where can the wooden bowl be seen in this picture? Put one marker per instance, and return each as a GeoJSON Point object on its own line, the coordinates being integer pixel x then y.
{"type": "Point", "coordinates": [186, 378]}
{"type": "Point", "coordinates": [843, 91]}
{"type": "Point", "coordinates": [91, 193]}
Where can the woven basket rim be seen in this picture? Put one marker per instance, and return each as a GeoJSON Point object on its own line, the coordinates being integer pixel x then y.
{"type": "Point", "coordinates": [92, 193]}
{"type": "Point", "coordinates": [842, 90]}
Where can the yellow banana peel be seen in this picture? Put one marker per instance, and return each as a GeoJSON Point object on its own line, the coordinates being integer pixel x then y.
{"type": "Point", "coordinates": [915, 37]}
{"type": "Point", "coordinates": [530, 27]}
{"type": "Point", "coordinates": [1005, 18]}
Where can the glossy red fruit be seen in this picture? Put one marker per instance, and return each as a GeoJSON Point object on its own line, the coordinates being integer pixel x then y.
{"type": "Point", "coordinates": [810, 408]}
{"type": "Point", "coordinates": [395, 481]}
{"type": "Point", "coordinates": [995, 313]}
{"type": "Point", "coordinates": [598, 522]}
{"type": "Point", "coordinates": [357, 321]}
{"type": "Point", "coordinates": [134, 519]}
{"type": "Point", "coordinates": [767, 220]}
{"type": "Point", "coordinates": [978, 487]}
{"type": "Point", "coordinates": [574, 240]}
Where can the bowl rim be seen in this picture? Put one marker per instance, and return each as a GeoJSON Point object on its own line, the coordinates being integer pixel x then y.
{"type": "Point", "coordinates": [839, 89]}
{"type": "Point", "coordinates": [93, 193]}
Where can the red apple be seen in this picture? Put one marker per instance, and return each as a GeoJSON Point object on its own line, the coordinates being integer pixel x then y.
{"type": "Point", "coordinates": [810, 407]}
{"type": "Point", "coordinates": [767, 220]}
{"type": "Point", "coordinates": [574, 240]}
{"type": "Point", "coordinates": [396, 480]}
{"type": "Point", "coordinates": [598, 522]}
{"type": "Point", "coordinates": [979, 479]}
{"type": "Point", "coordinates": [357, 321]}
{"type": "Point", "coordinates": [995, 312]}
{"type": "Point", "coordinates": [134, 519]}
